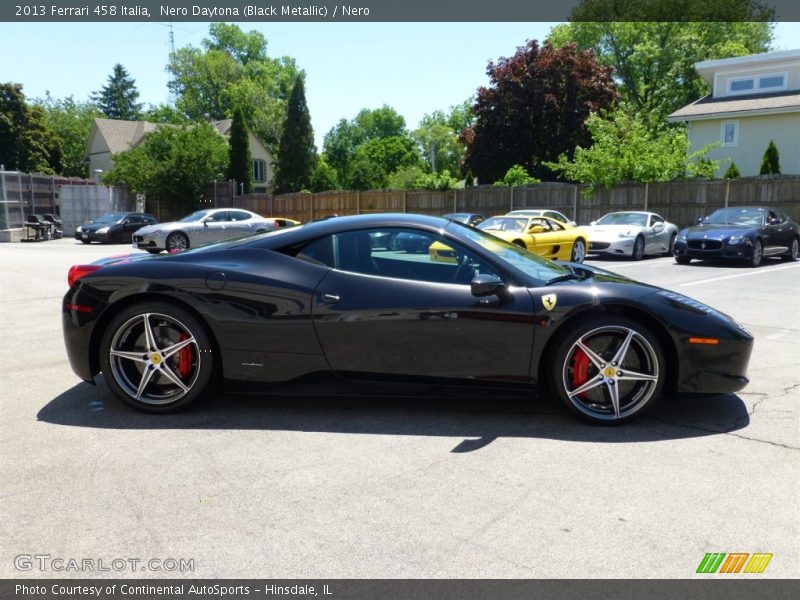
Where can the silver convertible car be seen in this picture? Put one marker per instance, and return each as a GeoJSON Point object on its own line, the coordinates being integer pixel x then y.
{"type": "Point", "coordinates": [631, 233]}
{"type": "Point", "coordinates": [201, 228]}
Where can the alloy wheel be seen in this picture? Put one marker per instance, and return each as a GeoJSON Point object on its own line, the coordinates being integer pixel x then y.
{"type": "Point", "coordinates": [578, 251]}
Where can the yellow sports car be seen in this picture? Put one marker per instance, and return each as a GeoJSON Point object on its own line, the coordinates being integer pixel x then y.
{"type": "Point", "coordinates": [284, 222]}
{"type": "Point", "coordinates": [541, 235]}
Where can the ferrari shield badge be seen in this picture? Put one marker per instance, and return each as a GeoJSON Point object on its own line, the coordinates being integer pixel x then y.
{"type": "Point", "coordinates": [549, 301]}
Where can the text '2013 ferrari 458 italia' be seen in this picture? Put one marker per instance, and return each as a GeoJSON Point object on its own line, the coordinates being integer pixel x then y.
{"type": "Point", "coordinates": [322, 298]}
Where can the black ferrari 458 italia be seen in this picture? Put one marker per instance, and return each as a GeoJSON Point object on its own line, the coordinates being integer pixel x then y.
{"type": "Point", "coordinates": [322, 298]}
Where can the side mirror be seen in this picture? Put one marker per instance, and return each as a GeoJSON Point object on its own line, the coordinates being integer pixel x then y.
{"type": "Point", "coordinates": [774, 221]}
{"type": "Point", "coordinates": [700, 220]}
{"type": "Point", "coordinates": [658, 227]}
{"type": "Point", "coordinates": [483, 285]}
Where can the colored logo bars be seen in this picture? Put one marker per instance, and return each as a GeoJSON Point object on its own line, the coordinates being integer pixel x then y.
{"type": "Point", "coordinates": [733, 562]}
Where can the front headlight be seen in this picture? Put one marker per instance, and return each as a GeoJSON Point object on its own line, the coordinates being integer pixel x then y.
{"type": "Point", "coordinates": [627, 234]}
{"type": "Point", "coordinates": [78, 229]}
{"type": "Point", "coordinates": [681, 237]}
{"type": "Point", "coordinates": [736, 240]}
{"type": "Point", "coordinates": [102, 230]}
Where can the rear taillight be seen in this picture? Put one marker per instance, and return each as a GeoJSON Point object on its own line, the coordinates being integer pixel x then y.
{"type": "Point", "coordinates": [78, 271]}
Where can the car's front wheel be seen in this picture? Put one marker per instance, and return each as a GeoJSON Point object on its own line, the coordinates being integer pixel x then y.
{"type": "Point", "coordinates": [683, 260]}
{"type": "Point", "coordinates": [578, 251]}
{"type": "Point", "coordinates": [156, 357]}
{"type": "Point", "coordinates": [608, 370]}
{"type": "Point", "coordinates": [177, 242]}
{"type": "Point", "coordinates": [638, 249]}
{"type": "Point", "coordinates": [791, 254]}
{"type": "Point", "coordinates": [758, 254]}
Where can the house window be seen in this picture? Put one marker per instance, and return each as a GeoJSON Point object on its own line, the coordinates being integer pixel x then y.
{"type": "Point", "coordinates": [259, 170]}
{"type": "Point", "coordinates": [766, 83]}
{"type": "Point", "coordinates": [730, 133]}
{"type": "Point", "coordinates": [739, 86]}
{"type": "Point", "coordinates": [772, 82]}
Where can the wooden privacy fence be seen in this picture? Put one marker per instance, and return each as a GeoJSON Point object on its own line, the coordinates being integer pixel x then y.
{"type": "Point", "coordinates": [681, 202]}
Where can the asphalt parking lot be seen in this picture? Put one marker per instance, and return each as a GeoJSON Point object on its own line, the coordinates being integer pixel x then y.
{"type": "Point", "coordinates": [338, 485]}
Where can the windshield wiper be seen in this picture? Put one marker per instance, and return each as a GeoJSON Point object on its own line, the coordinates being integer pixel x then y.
{"type": "Point", "coordinates": [564, 277]}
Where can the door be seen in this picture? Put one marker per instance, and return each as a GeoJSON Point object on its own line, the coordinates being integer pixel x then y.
{"type": "Point", "coordinates": [215, 228]}
{"type": "Point", "coordinates": [129, 225]}
{"type": "Point", "coordinates": [391, 312]}
{"type": "Point", "coordinates": [656, 236]}
{"type": "Point", "coordinates": [549, 238]}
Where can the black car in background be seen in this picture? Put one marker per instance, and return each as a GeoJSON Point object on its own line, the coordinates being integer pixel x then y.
{"type": "Point", "coordinates": [746, 233]}
{"type": "Point", "coordinates": [322, 299]}
{"type": "Point", "coordinates": [114, 228]}
{"type": "Point", "coordinates": [471, 219]}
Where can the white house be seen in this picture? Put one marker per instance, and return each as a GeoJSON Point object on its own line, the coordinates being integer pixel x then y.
{"type": "Point", "coordinates": [110, 136]}
{"type": "Point", "coordinates": [754, 99]}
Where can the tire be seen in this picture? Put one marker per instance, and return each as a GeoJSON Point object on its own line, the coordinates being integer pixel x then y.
{"type": "Point", "coordinates": [520, 243]}
{"type": "Point", "coordinates": [85, 241]}
{"type": "Point", "coordinates": [177, 241]}
{"type": "Point", "coordinates": [578, 251]}
{"type": "Point", "coordinates": [153, 250]}
{"type": "Point", "coordinates": [683, 260]}
{"type": "Point", "coordinates": [671, 248]}
{"type": "Point", "coordinates": [638, 249]}
{"type": "Point", "coordinates": [178, 375]}
{"type": "Point", "coordinates": [791, 254]}
{"type": "Point", "coordinates": [635, 378]}
{"type": "Point", "coordinates": [758, 254]}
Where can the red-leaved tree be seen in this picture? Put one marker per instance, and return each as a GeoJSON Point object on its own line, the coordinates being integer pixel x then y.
{"type": "Point", "coordinates": [534, 110]}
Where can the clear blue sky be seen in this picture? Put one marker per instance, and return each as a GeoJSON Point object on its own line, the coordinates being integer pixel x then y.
{"type": "Point", "coordinates": [414, 67]}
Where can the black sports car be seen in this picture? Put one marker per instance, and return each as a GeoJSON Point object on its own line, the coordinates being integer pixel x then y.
{"type": "Point", "coordinates": [321, 298]}
{"type": "Point", "coordinates": [746, 233]}
{"type": "Point", "coordinates": [113, 228]}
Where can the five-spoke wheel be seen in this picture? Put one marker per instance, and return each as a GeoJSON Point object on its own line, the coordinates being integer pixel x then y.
{"type": "Point", "coordinates": [578, 251]}
{"type": "Point", "coordinates": [156, 357]}
{"type": "Point", "coordinates": [608, 371]}
{"type": "Point", "coordinates": [177, 242]}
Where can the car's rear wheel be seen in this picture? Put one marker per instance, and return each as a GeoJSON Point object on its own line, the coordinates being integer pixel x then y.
{"type": "Point", "coordinates": [578, 251]}
{"type": "Point", "coordinates": [638, 249]}
{"type": "Point", "coordinates": [608, 370]}
{"type": "Point", "coordinates": [791, 254]}
{"type": "Point", "coordinates": [156, 357]}
{"type": "Point", "coordinates": [177, 242]}
{"type": "Point", "coordinates": [671, 248]}
{"type": "Point", "coordinates": [758, 254]}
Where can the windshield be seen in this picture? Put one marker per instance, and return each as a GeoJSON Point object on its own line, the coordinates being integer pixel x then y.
{"type": "Point", "coordinates": [110, 218]}
{"type": "Point", "coordinates": [504, 224]}
{"type": "Point", "coordinates": [735, 216]}
{"type": "Point", "coordinates": [195, 216]}
{"type": "Point", "coordinates": [638, 219]}
{"type": "Point", "coordinates": [539, 268]}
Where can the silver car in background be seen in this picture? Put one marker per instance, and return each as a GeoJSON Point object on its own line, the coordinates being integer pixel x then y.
{"type": "Point", "coordinates": [200, 228]}
{"type": "Point", "coordinates": [631, 233]}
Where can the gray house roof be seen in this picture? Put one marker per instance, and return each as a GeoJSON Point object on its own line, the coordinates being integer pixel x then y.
{"type": "Point", "coordinates": [123, 135]}
{"type": "Point", "coordinates": [709, 107]}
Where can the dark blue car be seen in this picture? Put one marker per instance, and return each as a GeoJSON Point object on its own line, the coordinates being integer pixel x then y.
{"type": "Point", "coordinates": [746, 233]}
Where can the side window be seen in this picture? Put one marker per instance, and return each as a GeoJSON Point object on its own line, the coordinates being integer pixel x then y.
{"type": "Point", "coordinates": [318, 252]}
{"type": "Point", "coordinates": [220, 216]}
{"type": "Point", "coordinates": [655, 219]}
{"type": "Point", "coordinates": [407, 254]}
{"type": "Point", "coordinates": [238, 215]}
{"type": "Point", "coordinates": [771, 214]}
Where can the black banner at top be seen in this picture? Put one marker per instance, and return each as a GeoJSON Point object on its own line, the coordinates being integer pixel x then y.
{"type": "Point", "coordinates": [397, 10]}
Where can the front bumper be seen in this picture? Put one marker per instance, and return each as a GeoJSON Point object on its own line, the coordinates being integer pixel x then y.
{"type": "Point", "coordinates": [714, 249]}
{"type": "Point", "coordinates": [92, 236]}
{"type": "Point", "coordinates": [145, 242]}
{"type": "Point", "coordinates": [615, 247]}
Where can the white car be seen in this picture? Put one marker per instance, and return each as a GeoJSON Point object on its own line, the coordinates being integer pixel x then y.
{"type": "Point", "coordinates": [631, 233]}
{"type": "Point", "coordinates": [201, 228]}
{"type": "Point", "coordinates": [543, 212]}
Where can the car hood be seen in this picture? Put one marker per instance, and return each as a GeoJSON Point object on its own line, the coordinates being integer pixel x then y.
{"type": "Point", "coordinates": [716, 232]}
{"type": "Point", "coordinates": [96, 226]}
{"type": "Point", "coordinates": [172, 226]}
{"type": "Point", "coordinates": [612, 230]}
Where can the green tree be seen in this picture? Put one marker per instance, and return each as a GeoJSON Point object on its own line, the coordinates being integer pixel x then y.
{"type": "Point", "coordinates": [623, 148]}
{"type": "Point", "coordinates": [117, 99]}
{"type": "Point", "coordinates": [164, 113]}
{"type": "Point", "coordinates": [324, 177]}
{"type": "Point", "coordinates": [240, 162]}
{"type": "Point", "coordinates": [172, 165]}
{"type": "Point", "coordinates": [405, 178]}
{"type": "Point", "coordinates": [470, 180]}
{"type": "Point", "coordinates": [437, 181]}
{"type": "Point", "coordinates": [26, 142]}
{"type": "Point", "coordinates": [654, 61]}
{"type": "Point", "coordinates": [376, 159]}
{"type": "Point", "coordinates": [770, 163]}
{"type": "Point", "coordinates": [342, 141]}
{"type": "Point", "coordinates": [232, 68]}
{"type": "Point", "coordinates": [732, 172]}
{"type": "Point", "coordinates": [516, 176]}
{"type": "Point", "coordinates": [71, 122]}
{"type": "Point", "coordinates": [534, 109]}
{"type": "Point", "coordinates": [438, 138]}
{"type": "Point", "coordinates": [297, 154]}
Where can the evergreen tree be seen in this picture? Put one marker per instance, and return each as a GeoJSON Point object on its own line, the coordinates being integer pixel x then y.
{"type": "Point", "coordinates": [297, 154]}
{"type": "Point", "coordinates": [732, 172]}
{"type": "Point", "coordinates": [26, 142]}
{"type": "Point", "coordinates": [240, 164]}
{"type": "Point", "coordinates": [470, 179]}
{"type": "Point", "coordinates": [770, 164]}
{"type": "Point", "coordinates": [118, 98]}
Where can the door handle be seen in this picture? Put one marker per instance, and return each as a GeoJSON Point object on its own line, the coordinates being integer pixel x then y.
{"type": "Point", "coordinates": [330, 298]}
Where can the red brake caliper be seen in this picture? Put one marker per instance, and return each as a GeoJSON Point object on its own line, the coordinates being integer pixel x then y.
{"type": "Point", "coordinates": [580, 370]}
{"type": "Point", "coordinates": [184, 358]}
